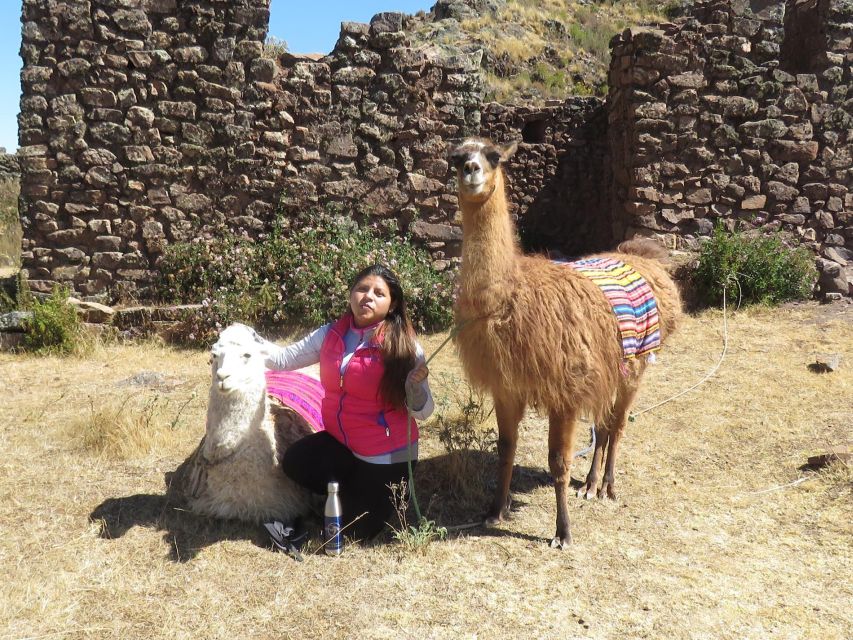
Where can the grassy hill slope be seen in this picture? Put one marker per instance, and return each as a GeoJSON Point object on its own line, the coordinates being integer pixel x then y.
{"type": "Point", "coordinates": [534, 50]}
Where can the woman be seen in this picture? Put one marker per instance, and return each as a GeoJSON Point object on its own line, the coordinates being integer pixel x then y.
{"type": "Point", "coordinates": [372, 370]}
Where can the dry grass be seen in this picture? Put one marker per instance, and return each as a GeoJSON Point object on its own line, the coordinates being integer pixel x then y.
{"type": "Point", "coordinates": [543, 49]}
{"type": "Point", "coordinates": [703, 542]}
{"type": "Point", "coordinates": [10, 226]}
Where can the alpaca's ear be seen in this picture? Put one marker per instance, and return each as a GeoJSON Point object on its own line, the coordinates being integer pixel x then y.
{"type": "Point", "coordinates": [508, 150]}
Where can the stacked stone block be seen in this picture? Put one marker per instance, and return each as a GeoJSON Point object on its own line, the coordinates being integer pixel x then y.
{"type": "Point", "coordinates": [710, 124]}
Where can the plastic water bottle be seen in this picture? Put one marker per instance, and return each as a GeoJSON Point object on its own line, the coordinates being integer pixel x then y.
{"type": "Point", "coordinates": [332, 521]}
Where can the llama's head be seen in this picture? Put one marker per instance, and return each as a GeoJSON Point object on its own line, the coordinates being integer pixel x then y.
{"type": "Point", "coordinates": [237, 360]}
{"type": "Point", "coordinates": [477, 163]}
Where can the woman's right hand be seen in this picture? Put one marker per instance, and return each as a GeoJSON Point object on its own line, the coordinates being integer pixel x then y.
{"type": "Point", "coordinates": [417, 375]}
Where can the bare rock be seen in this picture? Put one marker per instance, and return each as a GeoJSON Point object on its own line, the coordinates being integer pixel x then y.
{"type": "Point", "coordinates": [826, 363]}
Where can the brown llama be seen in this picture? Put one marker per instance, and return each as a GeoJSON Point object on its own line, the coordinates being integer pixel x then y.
{"type": "Point", "coordinates": [542, 334]}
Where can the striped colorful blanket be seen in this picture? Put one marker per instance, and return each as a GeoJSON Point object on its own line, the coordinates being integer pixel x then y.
{"type": "Point", "coordinates": [300, 392]}
{"type": "Point", "coordinates": [632, 299]}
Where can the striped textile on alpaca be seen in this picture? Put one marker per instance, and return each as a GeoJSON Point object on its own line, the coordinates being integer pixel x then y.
{"type": "Point", "coordinates": [632, 299]}
{"type": "Point", "coordinates": [300, 392]}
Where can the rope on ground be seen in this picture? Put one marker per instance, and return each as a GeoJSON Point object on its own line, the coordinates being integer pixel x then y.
{"type": "Point", "coordinates": [715, 368]}
{"type": "Point", "coordinates": [781, 486]}
{"type": "Point", "coordinates": [412, 493]}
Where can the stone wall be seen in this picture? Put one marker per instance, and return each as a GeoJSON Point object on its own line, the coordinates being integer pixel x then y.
{"type": "Point", "coordinates": [148, 122]}
{"type": "Point", "coordinates": [145, 122]}
{"type": "Point", "coordinates": [140, 125]}
{"type": "Point", "coordinates": [371, 124]}
{"type": "Point", "coordinates": [10, 168]}
{"type": "Point", "coordinates": [559, 179]}
{"type": "Point", "coordinates": [743, 121]}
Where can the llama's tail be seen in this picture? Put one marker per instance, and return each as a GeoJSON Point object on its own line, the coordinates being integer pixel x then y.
{"type": "Point", "coordinates": [645, 248]}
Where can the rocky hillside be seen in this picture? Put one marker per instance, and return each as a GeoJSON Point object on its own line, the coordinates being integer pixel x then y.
{"type": "Point", "coordinates": [537, 49]}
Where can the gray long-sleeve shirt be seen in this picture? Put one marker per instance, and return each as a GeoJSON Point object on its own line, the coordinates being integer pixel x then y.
{"type": "Point", "coordinates": [306, 352]}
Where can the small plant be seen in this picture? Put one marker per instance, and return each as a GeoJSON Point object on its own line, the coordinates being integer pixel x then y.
{"type": "Point", "coordinates": [274, 48]}
{"type": "Point", "coordinates": [413, 537]}
{"type": "Point", "coordinates": [766, 270]}
{"type": "Point", "coordinates": [462, 430]}
{"type": "Point", "coordinates": [675, 9]}
{"type": "Point", "coordinates": [464, 472]}
{"type": "Point", "coordinates": [7, 302]}
{"type": "Point", "coordinates": [54, 327]}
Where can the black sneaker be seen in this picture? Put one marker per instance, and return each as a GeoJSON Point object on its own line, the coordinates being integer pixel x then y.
{"type": "Point", "coordinates": [286, 538]}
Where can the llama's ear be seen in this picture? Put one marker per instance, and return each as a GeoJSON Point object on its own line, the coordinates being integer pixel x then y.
{"type": "Point", "coordinates": [508, 150]}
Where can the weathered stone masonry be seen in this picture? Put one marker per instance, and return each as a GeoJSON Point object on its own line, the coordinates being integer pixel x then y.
{"type": "Point", "coordinates": [145, 122]}
{"type": "Point", "coordinates": [734, 119]}
{"type": "Point", "coordinates": [371, 125]}
{"type": "Point", "coordinates": [137, 128]}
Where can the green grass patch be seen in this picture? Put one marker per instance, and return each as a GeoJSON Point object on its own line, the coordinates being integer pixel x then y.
{"type": "Point", "coordinates": [55, 328]}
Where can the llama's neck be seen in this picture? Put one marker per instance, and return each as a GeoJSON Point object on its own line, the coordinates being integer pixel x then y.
{"type": "Point", "coordinates": [231, 419]}
{"type": "Point", "coordinates": [489, 246]}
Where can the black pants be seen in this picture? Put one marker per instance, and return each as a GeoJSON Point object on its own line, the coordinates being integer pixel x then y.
{"type": "Point", "coordinates": [318, 459]}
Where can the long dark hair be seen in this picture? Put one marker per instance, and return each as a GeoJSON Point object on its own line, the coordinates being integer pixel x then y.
{"type": "Point", "coordinates": [396, 336]}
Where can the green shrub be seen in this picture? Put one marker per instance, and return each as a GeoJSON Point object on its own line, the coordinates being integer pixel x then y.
{"type": "Point", "coordinates": [766, 270]}
{"type": "Point", "coordinates": [296, 275]}
{"type": "Point", "coordinates": [54, 327]}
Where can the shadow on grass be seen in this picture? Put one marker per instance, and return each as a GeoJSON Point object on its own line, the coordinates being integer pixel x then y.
{"type": "Point", "coordinates": [185, 533]}
{"type": "Point", "coordinates": [456, 489]}
{"type": "Point", "coordinates": [453, 489]}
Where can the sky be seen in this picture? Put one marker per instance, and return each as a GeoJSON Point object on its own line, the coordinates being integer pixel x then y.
{"type": "Point", "coordinates": [308, 26]}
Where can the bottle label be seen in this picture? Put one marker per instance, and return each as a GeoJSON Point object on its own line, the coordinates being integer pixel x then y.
{"type": "Point", "coordinates": [335, 540]}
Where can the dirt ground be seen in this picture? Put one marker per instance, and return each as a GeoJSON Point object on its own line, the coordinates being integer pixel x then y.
{"type": "Point", "coordinates": [719, 530]}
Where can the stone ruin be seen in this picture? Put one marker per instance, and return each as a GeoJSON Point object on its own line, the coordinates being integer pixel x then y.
{"type": "Point", "coordinates": [737, 117]}
{"type": "Point", "coordinates": [149, 122]}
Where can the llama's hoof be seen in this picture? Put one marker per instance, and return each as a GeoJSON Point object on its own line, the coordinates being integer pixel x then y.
{"type": "Point", "coordinates": [607, 491]}
{"type": "Point", "coordinates": [561, 542]}
{"type": "Point", "coordinates": [497, 514]}
{"type": "Point", "coordinates": [492, 521]}
{"type": "Point", "coordinates": [587, 491]}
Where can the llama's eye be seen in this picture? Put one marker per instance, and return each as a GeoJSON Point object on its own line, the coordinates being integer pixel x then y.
{"type": "Point", "coordinates": [494, 158]}
{"type": "Point", "coordinates": [457, 159]}
{"type": "Point", "coordinates": [246, 356]}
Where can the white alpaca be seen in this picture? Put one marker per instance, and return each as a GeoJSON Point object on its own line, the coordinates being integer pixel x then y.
{"type": "Point", "coordinates": [235, 470]}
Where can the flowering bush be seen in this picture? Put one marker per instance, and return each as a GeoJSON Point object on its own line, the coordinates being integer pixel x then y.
{"type": "Point", "coordinates": [298, 274]}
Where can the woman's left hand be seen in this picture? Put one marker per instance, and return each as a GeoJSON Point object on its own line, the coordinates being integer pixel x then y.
{"type": "Point", "coordinates": [418, 374]}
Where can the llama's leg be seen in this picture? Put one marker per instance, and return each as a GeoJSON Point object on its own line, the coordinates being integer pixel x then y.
{"type": "Point", "coordinates": [616, 427]}
{"type": "Point", "coordinates": [589, 487]}
{"type": "Point", "coordinates": [508, 414]}
{"type": "Point", "coordinates": [561, 431]}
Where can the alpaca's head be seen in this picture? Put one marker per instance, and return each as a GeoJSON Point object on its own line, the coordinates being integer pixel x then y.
{"type": "Point", "coordinates": [477, 162]}
{"type": "Point", "coordinates": [237, 360]}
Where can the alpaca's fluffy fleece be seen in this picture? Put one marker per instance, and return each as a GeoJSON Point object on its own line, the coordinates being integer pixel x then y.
{"type": "Point", "coordinates": [234, 472]}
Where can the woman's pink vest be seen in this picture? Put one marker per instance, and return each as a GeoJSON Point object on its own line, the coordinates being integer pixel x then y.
{"type": "Point", "coordinates": [353, 411]}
